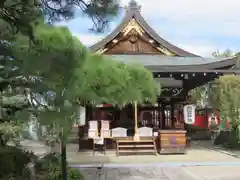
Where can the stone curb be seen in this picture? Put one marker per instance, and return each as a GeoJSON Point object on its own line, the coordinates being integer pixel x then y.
{"type": "Point", "coordinates": [166, 164]}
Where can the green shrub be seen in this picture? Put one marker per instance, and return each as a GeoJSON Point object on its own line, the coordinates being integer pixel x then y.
{"type": "Point", "coordinates": [49, 168]}
{"type": "Point", "coordinates": [48, 160]}
{"type": "Point", "coordinates": [233, 140]}
{"type": "Point", "coordinates": [13, 161]}
{"type": "Point", "coordinates": [75, 174]}
{"type": "Point", "coordinates": [55, 173]}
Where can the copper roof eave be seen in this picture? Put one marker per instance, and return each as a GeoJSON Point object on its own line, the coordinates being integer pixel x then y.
{"type": "Point", "coordinates": [111, 36]}
{"type": "Point", "coordinates": [221, 67]}
{"type": "Point", "coordinates": [159, 39]}
{"type": "Point", "coordinates": [133, 13]}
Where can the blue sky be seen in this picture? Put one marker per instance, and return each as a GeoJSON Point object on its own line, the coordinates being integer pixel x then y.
{"type": "Point", "coordinates": [199, 26]}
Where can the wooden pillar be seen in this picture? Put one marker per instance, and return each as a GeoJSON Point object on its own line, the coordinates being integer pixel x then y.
{"type": "Point", "coordinates": [136, 134]}
{"type": "Point", "coordinates": [83, 128]}
{"type": "Point", "coordinates": [159, 115]}
{"type": "Point", "coordinates": [163, 117]}
{"type": "Point", "coordinates": [172, 115]}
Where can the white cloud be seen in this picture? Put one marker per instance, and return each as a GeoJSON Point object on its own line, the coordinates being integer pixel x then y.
{"type": "Point", "coordinates": [220, 17]}
{"type": "Point", "coordinates": [88, 39]}
{"type": "Point", "coordinates": [204, 50]}
{"type": "Point", "coordinates": [191, 9]}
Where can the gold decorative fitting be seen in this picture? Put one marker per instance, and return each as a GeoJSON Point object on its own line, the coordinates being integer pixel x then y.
{"type": "Point", "coordinates": [151, 41]}
{"type": "Point", "coordinates": [115, 41]}
{"type": "Point", "coordinates": [102, 50]}
{"type": "Point", "coordinates": [133, 39]}
{"type": "Point", "coordinates": [165, 51]}
{"type": "Point", "coordinates": [133, 24]}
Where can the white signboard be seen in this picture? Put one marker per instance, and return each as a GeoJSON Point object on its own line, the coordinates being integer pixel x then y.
{"type": "Point", "coordinates": [189, 113]}
{"type": "Point", "coordinates": [119, 132]}
{"type": "Point", "coordinates": [105, 125]}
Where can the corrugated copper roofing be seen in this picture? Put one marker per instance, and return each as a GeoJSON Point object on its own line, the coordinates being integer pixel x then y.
{"type": "Point", "coordinates": [174, 62]}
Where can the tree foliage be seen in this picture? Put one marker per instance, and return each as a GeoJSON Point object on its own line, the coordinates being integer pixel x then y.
{"type": "Point", "coordinates": [203, 95]}
{"type": "Point", "coordinates": [42, 61]}
{"type": "Point", "coordinates": [20, 22]}
{"type": "Point", "coordinates": [226, 98]}
{"type": "Point", "coordinates": [23, 15]}
{"type": "Point", "coordinates": [114, 82]}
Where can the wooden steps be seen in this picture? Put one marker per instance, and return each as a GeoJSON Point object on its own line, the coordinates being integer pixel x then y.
{"type": "Point", "coordinates": [141, 141]}
{"type": "Point", "coordinates": [136, 145]}
{"type": "Point", "coordinates": [128, 145]}
{"type": "Point", "coordinates": [138, 151]}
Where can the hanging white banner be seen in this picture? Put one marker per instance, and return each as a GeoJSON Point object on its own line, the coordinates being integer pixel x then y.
{"type": "Point", "coordinates": [81, 119]}
{"type": "Point", "coordinates": [189, 113]}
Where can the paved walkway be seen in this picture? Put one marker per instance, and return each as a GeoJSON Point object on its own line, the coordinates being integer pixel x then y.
{"type": "Point", "coordinates": [210, 145]}
{"type": "Point", "coordinates": [163, 173]}
{"type": "Point", "coordinates": [196, 154]}
{"type": "Point", "coordinates": [198, 164]}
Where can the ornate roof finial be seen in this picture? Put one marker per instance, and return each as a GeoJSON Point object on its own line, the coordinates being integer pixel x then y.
{"type": "Point", "coordinates": [133, 5]}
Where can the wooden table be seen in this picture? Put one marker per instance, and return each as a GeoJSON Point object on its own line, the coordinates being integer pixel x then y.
{"type": "Point", "coordinates": [172, 141]}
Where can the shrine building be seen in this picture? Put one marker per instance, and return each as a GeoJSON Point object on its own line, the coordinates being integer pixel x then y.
{"type": "Point", "coordinates": [134, 41]}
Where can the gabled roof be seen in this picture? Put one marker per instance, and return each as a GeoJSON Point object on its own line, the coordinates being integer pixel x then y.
{"type": "Point", "coordinates": [133, 12]}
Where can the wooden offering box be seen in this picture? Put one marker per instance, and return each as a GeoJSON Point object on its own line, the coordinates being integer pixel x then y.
{"type": "Point", "coordinates": [172, 141]}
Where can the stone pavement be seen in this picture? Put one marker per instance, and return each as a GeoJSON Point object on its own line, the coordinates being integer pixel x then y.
{"type": "Point", "coordinates": [193, 155]}
{"type": "Point", "coordinates": [198, 164]}
{"type": "Point", "coordinates": [209, 145]}
{"type": "Point", "coordinates": [164, 173]}
{"type": "Point", "coordinates": [213, 172]}
{"type": "Point", "coordinates": [145, 173]}
{"type": "Point", "coordinates": [196, 154]}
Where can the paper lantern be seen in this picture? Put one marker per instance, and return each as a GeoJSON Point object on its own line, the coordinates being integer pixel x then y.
{"type": "Point", "coordinates": [189, 113]}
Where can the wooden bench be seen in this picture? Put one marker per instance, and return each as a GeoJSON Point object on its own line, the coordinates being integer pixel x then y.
{"type": "Point", "coordinates": [128, 145]}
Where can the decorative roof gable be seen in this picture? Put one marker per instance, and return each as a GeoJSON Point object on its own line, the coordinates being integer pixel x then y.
{"type": "Point", "coordinates": [135, 36]}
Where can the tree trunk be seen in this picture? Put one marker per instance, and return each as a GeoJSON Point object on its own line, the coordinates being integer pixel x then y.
{"type": "Point", "coordinates": [32, 171]}
{"type": "Point", "coordinates": [2, 141]}
{"type": "Point", "coordinates": [64, 159]}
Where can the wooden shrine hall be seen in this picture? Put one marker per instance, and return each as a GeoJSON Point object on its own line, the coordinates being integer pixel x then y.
{"type": "Point", "coordinates": [178, 72]}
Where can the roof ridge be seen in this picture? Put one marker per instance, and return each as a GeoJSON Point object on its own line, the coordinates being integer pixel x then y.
{"type": "Point", "coordinates": [133, 5]}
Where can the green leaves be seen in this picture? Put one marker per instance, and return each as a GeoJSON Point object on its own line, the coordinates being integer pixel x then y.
{"type": "Point", "coordinates": [227, 95]}
{"type": "Point", "coordinates": [10, 130]}
{"type": "Point", "coordinates": [142, 87]}
{"type": "Point", "coordinates": [103, 80]}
